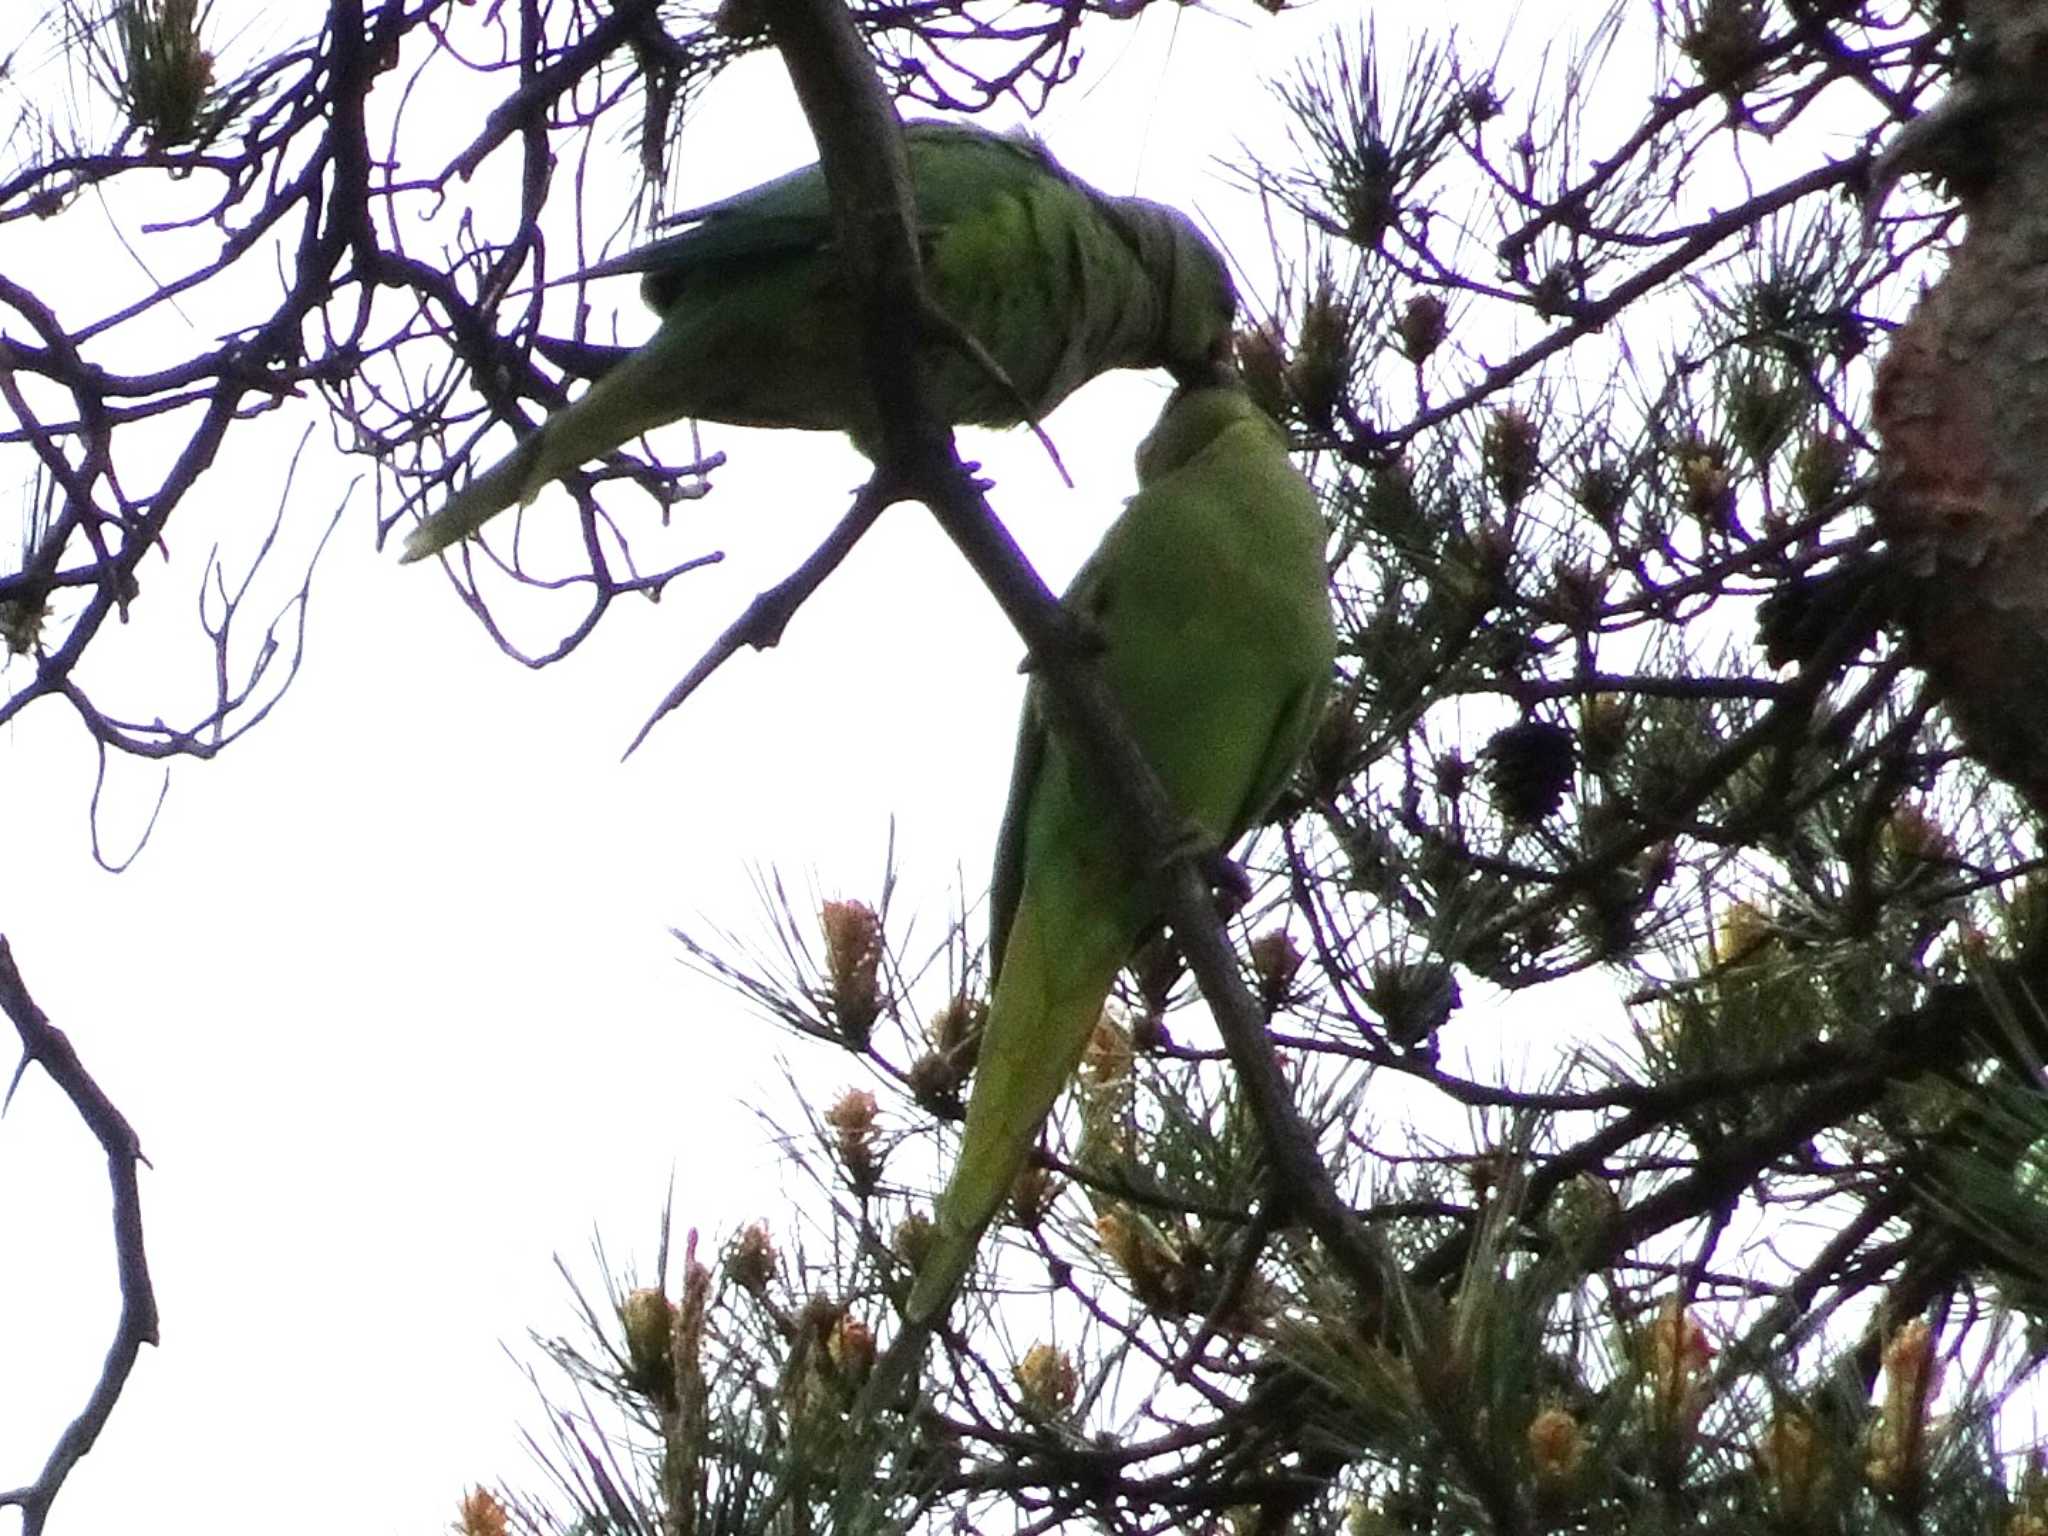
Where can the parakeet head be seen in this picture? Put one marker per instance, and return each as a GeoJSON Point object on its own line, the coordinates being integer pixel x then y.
{"type": "Point", "coordinates": [1193, 419]}
{"type": "Point", "coordinates": [1197, 300]}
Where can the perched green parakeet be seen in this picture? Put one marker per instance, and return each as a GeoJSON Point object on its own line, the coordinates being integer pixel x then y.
{"type": "Point", "coordinates": [1211, 595]}
{"type": "Point", "coordinates": [1056, 280]}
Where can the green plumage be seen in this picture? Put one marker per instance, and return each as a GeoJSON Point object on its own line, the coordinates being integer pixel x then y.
{"type": "Point", "coordinates": [1211, 594]}
{"type": "Point", "coordinates": [1056, 280]}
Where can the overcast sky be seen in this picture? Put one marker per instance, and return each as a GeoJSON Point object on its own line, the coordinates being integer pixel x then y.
{"type": "Point", "coordinates": [391, 997]}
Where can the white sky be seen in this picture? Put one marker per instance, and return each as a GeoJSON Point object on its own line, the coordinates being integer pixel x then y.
{"type": "Point", "coordinates": [391, 997]}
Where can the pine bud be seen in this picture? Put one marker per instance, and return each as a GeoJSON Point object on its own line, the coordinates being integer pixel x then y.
{"type": "Point", "coordinates": [1335, 751]}
{"type": "Point", "coordinates": [852, 1116]}
{"type": "Point", "coordinates": [1107, 1087]}
{"type": "Point", "coordinates": [1048, 1382]}
{"type": "Point", "coordinates": [1156, 967]}
{"type": "Point", "coordinates": [167, 73]}
{"type": "Point", "coordinates": [2025, 918]}
{"type": "Point", "coordinates": [1414, 999]}
{"type": "Point", "coordinates": [1898, 1440]}
{"type": "Point", "coordinates": [1390, 504]}
{"type": "Point", "coordinates": [482, 1513]}
{"type": "Point", "coordinates": [1708, 488]}
{"type": "Point", "coordinates": [1579, 593]}
{"type": "Point", "coordinates": [1493, 558]}
{"type": "Point", "coordinates": [1724, 43]}
{"type": "Point", "coordinates": [1744, 931]}
{"type": "Point", "coordinates": [1763, 408]}
{"type": "Point", "coordinates": [1675, 1355]}
{"type": "Point", "coordinates": [1262, 365]}
{"type": "Point", "coordinates": [1480, 102]}
{"type": "Point", "coordinates": [1107, 1059]}
{"type": "Point", "coordinates": [1367, 187]}
{"type": "Point", "coordinates": [1795, 1469]}
{"type": "Point", "coordinates": [1487, 1172]}
{"type": "Point", "coordinates": [851, 1349]}
{"type": "Point", "coordinates": [1561, 291]}
{"type": "Point", "coordinates": [937, 1076]}
{"type": "Point", "coordinates": [1914, 840]}
{"type": "Point", "coordinates": [1557, 1449]}
{"type": "Point", "coordinates": [1581, 1212]}
{"type": "Point", "coordinates": [1602, 489]}
{"type": "Point", "coordinates": [1820, 468]}
{"type": "Point", "coordinates": [1031, 1196]}
{"type": "Point", "coordinates": [21, 623]}
{"type": "Point", "coordinates": [1451, 774]}
{"type": "Point", "coordinates": [750, 1263]}
{"type": "Point", "coordinates": [1319, 376]}
{"type": "Point", "coordinates": [819, 1385]}
{"type": "Point", "coordinates": [649, 1321]}
{"type": "Point", "coordinates": [935, 1082]}
{"type": "Point", "coordinates": [818, 1318]}
{"type": "Point", "coordinates": [1275, 960]}
{"type": "Point", "coordinates": [1155, 1271]}
{"type": "Point", "coordinates": [2030, 1499]}
{"type": "Point", "coordinates": [1510, 451]}
{"type": "Point", "coordinates": [853, 955]}
{"type": "Point", "coordinates": [1603, 730]}
{"type": "Point", "coordinates": [1424, 323]}
{"type": "Point", "coordinates": [1530, 769]}
{"type": "Point", "coordinates": [1678, 1342]}
{"type": "Point", "coordinates": [955, 1030]}
{"type": "Point", "coordinates": [912, 1240]}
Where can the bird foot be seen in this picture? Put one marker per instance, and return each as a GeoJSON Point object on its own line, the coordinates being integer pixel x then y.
{"type": "Point", "coordinates": [1224, 876]}
{"type": "Point", "coordinates": [1231, 886]}
{"type": "Point", "coordinates": [1079, 637]}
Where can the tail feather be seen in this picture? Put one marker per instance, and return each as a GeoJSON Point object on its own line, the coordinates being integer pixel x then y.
{"type": "Point", "coordinates": [945, 1265]}
{"type": "Point", "coordinates": [1047, 1001]}
{"type": "Point", "coordinates": [635, 396]}
{"type": "Point", "coordinates": [503, 484]}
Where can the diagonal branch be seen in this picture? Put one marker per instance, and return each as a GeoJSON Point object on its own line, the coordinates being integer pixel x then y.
{"type": "Point", "coordinates": [771, 610]}
{"type": "Point", "coordinates": [45, 1045]}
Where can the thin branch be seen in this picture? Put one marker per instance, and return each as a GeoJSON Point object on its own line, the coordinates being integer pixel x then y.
{"type": "Point", "coordinates": [46, 1045]}
{"type": "Point", "coordinates": [769, 613]}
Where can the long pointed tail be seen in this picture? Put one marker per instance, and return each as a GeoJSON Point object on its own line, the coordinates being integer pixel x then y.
{"type": "Point", "coordinates": [939, 1276]}
{"type": "Point", "coordinates": [490, 493]}
{"type": "Point", "coordinates": [1057, 968]}
{"type": "Point", "coordinates": [636, 395]}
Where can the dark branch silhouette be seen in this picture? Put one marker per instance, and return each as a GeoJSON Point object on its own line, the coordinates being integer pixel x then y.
{"type": "Point", "coordinates": [46, 1046]}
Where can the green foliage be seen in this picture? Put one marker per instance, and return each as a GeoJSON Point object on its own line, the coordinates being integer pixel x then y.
{"type": "Point", "coordinates": [151, 57]}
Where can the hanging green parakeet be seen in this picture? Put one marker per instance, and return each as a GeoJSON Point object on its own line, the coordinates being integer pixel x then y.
{"type": "Point", "coordinates": [1211, 596]}
{"type": "Point", "coordinates": [1056, 280]}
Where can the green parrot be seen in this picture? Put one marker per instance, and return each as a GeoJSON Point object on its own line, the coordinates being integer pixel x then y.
{"type": "Point", "coordinates": [1056, 280]}
{"type": "Point", "coordinates": [1212, 600]}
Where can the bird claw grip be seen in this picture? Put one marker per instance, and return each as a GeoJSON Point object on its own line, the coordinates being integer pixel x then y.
{"type": "Point", "coordinates": [1226, 878]}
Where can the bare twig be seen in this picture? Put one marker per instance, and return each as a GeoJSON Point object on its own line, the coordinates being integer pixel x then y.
{"type": "Point", "coordinates": [46, 1046]}
{"type": "Point", "coordinates": [769, 613]}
